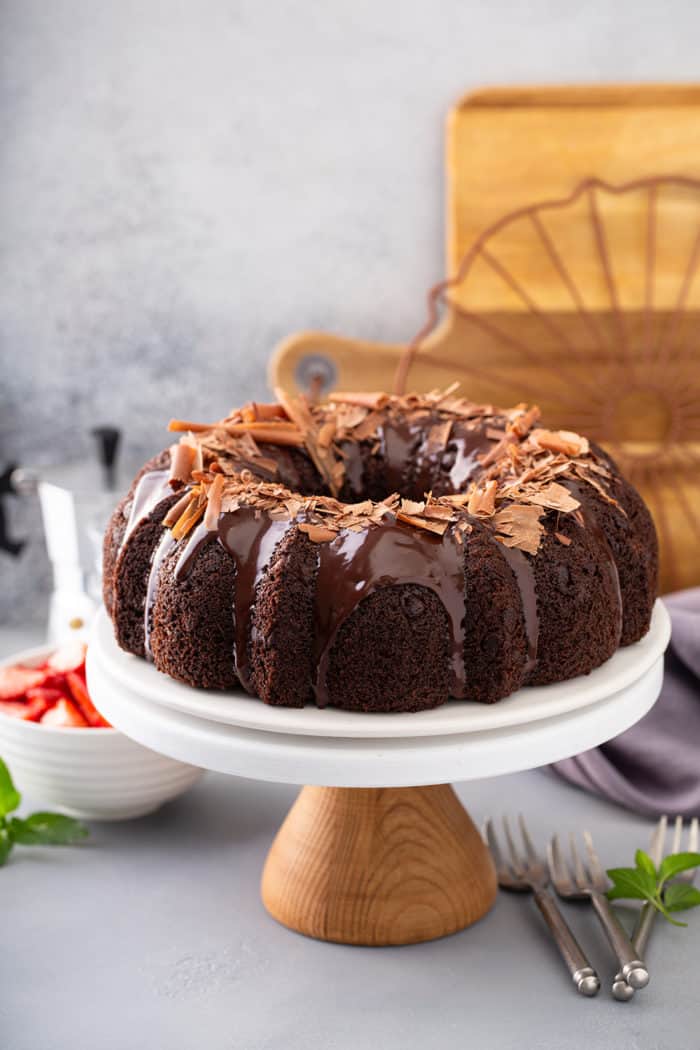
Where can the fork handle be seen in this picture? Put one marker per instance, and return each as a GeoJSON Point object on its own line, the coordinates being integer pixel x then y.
{"type": "Point", "coordinates": [632, 968]}
{"type": "Point", "coordinates": [583, 975]}
{"type": "Point", "coordinates": [640, 938]}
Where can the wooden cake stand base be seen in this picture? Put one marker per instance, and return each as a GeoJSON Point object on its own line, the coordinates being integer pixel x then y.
{"type": "Point", "coordinates": [378, 866]}
{"type": "Point", "coordinates": [369, 858]}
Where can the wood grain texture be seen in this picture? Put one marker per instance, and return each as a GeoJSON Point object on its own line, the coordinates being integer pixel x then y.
{"type": "Point", "coordinates": [378, 866]}
{"type": "Point", "coordinates": [621, 364]}
{"type": "Point", "coordinates": [568, 95]}
{"type": "Point", "coordinates": [502, 158]}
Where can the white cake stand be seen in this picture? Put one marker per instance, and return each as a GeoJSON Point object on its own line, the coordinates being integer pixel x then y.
{"type": "Point", "coordinates": [368, 857]}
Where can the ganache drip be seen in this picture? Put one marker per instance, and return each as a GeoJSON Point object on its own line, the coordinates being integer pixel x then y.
{"type": "Point", "coordinates": [165, 546]}
{"type": "Point", "coordinates": [197, 539]}
{"type": "Point", "coordinates": [398, 440]}
{"type": "Point", "coordinates": [355, 564]}
{"type": "Point", "coordinates": [250, 538]}
{"type": "Point", "coordinates": [524, 572]}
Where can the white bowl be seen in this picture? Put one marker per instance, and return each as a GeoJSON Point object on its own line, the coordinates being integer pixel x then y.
{"type": "Point", "coordinates": [95, 774]}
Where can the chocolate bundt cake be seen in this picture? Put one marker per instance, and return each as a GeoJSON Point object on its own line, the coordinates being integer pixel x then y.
{"type": "Point", "coordinates": [379, 553]}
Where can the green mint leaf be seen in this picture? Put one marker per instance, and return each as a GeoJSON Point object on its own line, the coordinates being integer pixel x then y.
{"type": "Point", "coordinates": [631, 883]}
{"type": "Point", "coordinates": [5, 845]}
{"type": "Point", "coordinates": [666, 914]}
{"type": "Point", "coordinates": [645, 863]}
{"type": "Point", "coordinates": [680, 896]}
{"type": "Point", "coordinates": [47, 829]}
{"type": "Point", "coordinates": [677, 862]}
{"type": "Point", "coordinates": [645, 882]}
{"type": "Point", "coordinates": [10, 798]}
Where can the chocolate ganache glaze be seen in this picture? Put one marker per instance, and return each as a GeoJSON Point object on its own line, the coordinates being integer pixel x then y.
{"type": "Point", "coordinates": [525, 578]}
{"type": "Point", "coordinates": [527, 542]}
{"type": "Point", "coordinates": [355, 564]}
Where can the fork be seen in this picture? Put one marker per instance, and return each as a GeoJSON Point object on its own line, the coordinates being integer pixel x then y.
{"type": "Point", "coordinates": [589, 882]}
{"type": "Point", "coordinates": [647, 913]}
{"type": "Point", "coordinates": [529, 874]}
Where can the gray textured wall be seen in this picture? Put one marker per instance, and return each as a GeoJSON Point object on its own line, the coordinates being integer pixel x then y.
{"type": "Point", "coordinates": [183, 183]}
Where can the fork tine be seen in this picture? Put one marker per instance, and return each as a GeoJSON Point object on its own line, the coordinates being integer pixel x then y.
{"type": "Point", "coordinates": [594, 865]}
{"type": "Point", "coordinates": [579, 869]}
{"type": "Point", "coordinates": [529, 844]}
{"type": "Point", "coordinates": [515, 858]}
{"type": "Point", "coordinates": [656, 846]}
{"type": "Point", "coordinates": [558, 868]}
{"type": "Point", "coordinates": [694, 835]}
{"type": "Point", "coordinates": [494, 846]}
{"type": "Point", "coordinates": [677, 832]}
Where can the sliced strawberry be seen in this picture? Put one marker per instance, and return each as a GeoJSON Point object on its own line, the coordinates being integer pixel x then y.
{"type": "Point", "coordinates": [78, 688]}
{"type": "Point", "coordinates": [63, 715]}
{"type": "Point", "coordinates": [13, 708]}
{"type": "Point", "coordinates": [54, 680]}
{"type": "Point", "coordinates": [70, 657]}
{"type": "Point", "coordinates": [31, 711]}
{"type": "Point", "coordinates": [50, 694]}
{"type": "Point", "coordinates": [14, 681]}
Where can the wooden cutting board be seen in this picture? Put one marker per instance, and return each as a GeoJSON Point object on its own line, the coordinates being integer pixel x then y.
{"type": "Point", "coordinates": [574, 294]}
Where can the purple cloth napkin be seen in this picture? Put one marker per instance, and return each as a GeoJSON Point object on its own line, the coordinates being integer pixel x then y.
{"type": "Point", "coordinates": [654, 767]}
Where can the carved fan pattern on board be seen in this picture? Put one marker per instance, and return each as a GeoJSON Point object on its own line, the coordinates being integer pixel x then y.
{"type": "Point", "coordinates": [590, 306]}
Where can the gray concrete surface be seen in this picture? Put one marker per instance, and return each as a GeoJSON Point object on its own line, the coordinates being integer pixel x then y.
{"type": "Point", "coordinates": [152, 937]}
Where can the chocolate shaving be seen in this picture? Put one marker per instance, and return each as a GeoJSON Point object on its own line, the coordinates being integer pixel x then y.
{"type": "Point", "coordinates": [520, 484]}
{"type": "Point", "coordinates": [377, 399]}
{"type": "Point", "coordinates": [564, 441]}
{"type": "Point", "coordinates": [439, 512]}
{"type": "Point", "coordinates": [255, 412]}
{"type": "Point", "coordinates": [554, 497]}
{"type": "Point", "coordinates": [326, 433]}
{"type": "Point", "coordinates": [482, 500]}
{"type": "Point", "coordinates": [316, 533]}
{"type": "Point", "coordinates": [519, 525]}
{"type": "Point", "coordinates": [522, 419]}
{"type": "Point", "coordinates": [409, 506]}
{"type": "Point", "coordinates": [191, 516]}
{"type": "Point", "coordinates": [211, 517]}
{"type": "Point", "coordinates": [439, 527]}
{"type": "Point", "coordinates": [182, 424]}
{"type": "Point", "coordinates": [331, 469]}
{"type": "Point", "coordinates": [498, 451]}
{"type": "Point", "coordinates": [182, 458]}
{"type": "Point", "coordinates": [438, 436]}
{"type": "Point", "coordinates": [177, 509]}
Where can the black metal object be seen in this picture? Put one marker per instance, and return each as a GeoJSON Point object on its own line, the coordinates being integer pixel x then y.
{"type": "Point", "coordinates": [108, 439]}
{"type": "Point", "coordinates": [9, 546]}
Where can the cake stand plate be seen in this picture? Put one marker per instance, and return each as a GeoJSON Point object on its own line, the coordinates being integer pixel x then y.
{"type": "Point", "coordinates": [368, 857]}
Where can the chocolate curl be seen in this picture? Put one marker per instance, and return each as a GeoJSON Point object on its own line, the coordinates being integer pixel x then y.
{"type": "Point", "coordinates": [254, 412]}
{"type": "Point", "coordinates": [177, 510]}
{"type": "Point", "coordinates": [371, 399]}
{"type": "Point", "coordinates": [211, 516]}
{"type": "Point", "coordinates": [563, 441]}
{"type": "Point", "coordinates": [186, 424]}
{"type": "Point", "coordinates": [182, 457]}
{"type": "Point", "coordinates": [281, 432]}
{"type": "Point", "coordinates": [190, 518]}
{"type": "Point", "coordinates": [329, 468]}
{"type": "Point", "coordinates": [482, 501]}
